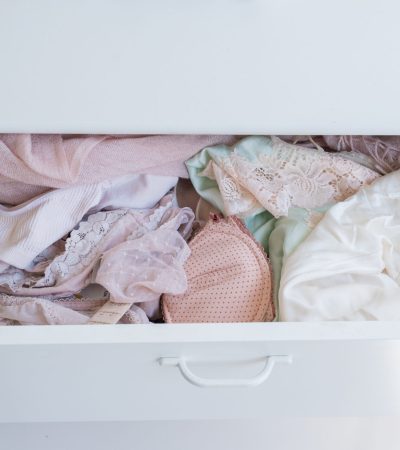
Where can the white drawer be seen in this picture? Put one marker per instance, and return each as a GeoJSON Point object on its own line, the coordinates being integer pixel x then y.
{"type": "Point", "coordinates": [192, 66]}
{"type": "Point", "coordinates": [189, 66]}
{"type": "Point", "coordinates": [113, 373]}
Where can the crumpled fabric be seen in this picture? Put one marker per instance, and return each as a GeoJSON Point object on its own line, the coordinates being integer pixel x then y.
{"type": "Point", "coordinates": [384, 150]}
{"type": "Point", "coordinates": [348, 268]}
{"type": "Point", "coordinates": [62, 272]}
{"type": "Point", "coordinates": [65, 311]}
{"type": "Point", "coordinates": [28, 229]}
{"type": "Point", "coordinates": [74, 268]}
{"type": "Point", "coordinates": [380, 153]}
{"type": "Point", "coordinates": [267, 173]}
{"type": "Point", "coordinates": [37, 311]}
{"type": "Point", "coordinates": [140, 270]}
{"type": "Point", "coordinates": [32, 164]}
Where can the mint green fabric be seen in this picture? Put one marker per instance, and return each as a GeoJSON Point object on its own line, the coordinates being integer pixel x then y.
{"type": "Point", "coordinates": [288, 233]}
{"type": "Point", "coordinates": [261, 226]}
{"type": "Point", "coordinates": [205, 187]}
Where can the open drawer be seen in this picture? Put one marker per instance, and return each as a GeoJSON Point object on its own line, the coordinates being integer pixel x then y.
{"type": "Point", "coordinates": [214, 66]}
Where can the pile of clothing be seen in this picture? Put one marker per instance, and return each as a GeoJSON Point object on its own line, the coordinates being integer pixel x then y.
{"type": "Point", "coordinates": [91, 211]}
{"type": "Point", "coordinates": [325, 211]}
{"type": "Point", "coordinates": [301, 229]}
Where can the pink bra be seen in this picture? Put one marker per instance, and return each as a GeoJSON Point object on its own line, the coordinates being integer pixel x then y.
{"type": "Point", "coordinates": [229, 278]}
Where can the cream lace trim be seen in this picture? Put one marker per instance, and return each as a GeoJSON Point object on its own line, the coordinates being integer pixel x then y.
{"type": "Point", "coordinates": [80, 246]}
{"type": "Point", "coordinates": [286, 176]}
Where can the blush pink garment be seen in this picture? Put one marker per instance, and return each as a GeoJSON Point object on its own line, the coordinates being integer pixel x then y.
{"type": "Point", "coordinates": [32, 164]}
{"type": "Point", "coordinates": [140, 270]}
{"type": "Point", "coordinates": [66, 311]}
{"type": "Point", "coordinates": [384, 150]}
{"type": "Point", "coordinates": [229, 278]}
{"type": "Point", "coordinates": [89, 306]}
{"type": "Point", "coordinates": [37, 311]}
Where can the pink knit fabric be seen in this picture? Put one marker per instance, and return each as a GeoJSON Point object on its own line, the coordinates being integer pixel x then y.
{"type": "Point", "coordinates": [229, 278]}
{"type": "Point", "coordinates": [32, 164]}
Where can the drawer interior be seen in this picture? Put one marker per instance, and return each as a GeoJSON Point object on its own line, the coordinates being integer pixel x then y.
{"type": "Point", "coordinates": [287, 190]}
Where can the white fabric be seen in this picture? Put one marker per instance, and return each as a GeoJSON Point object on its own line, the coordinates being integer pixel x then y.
{"type": "Point", "coordinates": [349, 266]}
{"type": "Point", "coordinates": [28, 229]}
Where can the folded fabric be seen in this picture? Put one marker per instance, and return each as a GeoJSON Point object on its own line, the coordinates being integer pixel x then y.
{"type": "Point", "coordinates": [28, 229]}
{"type": "Point", "coordinates": [348, 268]}
{"type": "Point", "coordinates": [32, 164]}
{"type": "Point", "coordinates": [229, 278]}
{"type": "Point", "coordinates": [72, 270]}
{"type": "Point", "coordinates": [268, 173]}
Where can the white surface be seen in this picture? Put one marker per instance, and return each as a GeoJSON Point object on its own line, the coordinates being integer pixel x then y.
{"type": "Point", "coordinates": [256, 66]}
{"type": "Point", "coordinates": [220, 66]}
{"type": "Point", "coordinates": [273, 434]}
{"type": "Point", "coordinates": [77, 374]}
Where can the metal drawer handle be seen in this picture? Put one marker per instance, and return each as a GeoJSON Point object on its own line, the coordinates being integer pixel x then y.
{"type": "Point", "coordinates": [258, 379]}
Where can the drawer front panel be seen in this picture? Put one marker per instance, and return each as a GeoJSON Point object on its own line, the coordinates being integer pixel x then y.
{"type": "Point", "coordinates": [212, 66]}
{"type": "Point", "coordinates": [124, 380]}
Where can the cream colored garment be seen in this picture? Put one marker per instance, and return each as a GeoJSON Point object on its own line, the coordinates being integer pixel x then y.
{"type": "Point", "coordinates": [28, 229]}
{"type": "Point", "coordinates": [348, 268]}
{"type": "Point", "coordinates": [32, 164]}
{"type": "Point", "coordinates": [269, 173]}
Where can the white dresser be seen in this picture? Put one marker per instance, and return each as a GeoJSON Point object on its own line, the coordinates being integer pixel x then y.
{"type": "Point", "coordinates": [191, 66]}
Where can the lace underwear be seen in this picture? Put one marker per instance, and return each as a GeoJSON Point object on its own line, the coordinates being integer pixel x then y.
{"type": "Point", "coordinates": [269, 173]}
{"type": "Point", "coordinates": [28, 229]}
{"type": "Point", "coordinates": [72, 270]}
